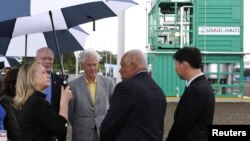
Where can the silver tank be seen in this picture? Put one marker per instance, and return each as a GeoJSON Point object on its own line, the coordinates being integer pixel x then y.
{"type": "Point", "coordinates": [214, 68]}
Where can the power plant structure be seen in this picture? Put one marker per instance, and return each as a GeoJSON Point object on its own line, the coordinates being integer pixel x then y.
{"type": "Point", "coordinates": [213, 26]}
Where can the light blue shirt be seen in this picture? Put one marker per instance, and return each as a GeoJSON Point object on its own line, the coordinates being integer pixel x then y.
{"type": "Point", "coordinates": [48, 91]}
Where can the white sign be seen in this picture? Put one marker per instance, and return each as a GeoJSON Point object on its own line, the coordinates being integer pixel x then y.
{"type": "Point", "coordinates": [219, 30]}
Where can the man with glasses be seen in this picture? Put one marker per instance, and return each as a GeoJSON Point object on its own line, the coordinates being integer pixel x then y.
{"type": "Point", "coordinates": [91, 95]}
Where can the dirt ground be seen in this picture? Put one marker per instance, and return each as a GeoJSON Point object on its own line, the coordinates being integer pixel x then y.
{"type": "Point", "coordinates": [225, 112]}
{"type": "Point", "coordinates": [247, 89]}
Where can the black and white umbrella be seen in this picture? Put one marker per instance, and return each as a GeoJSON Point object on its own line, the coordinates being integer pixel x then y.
{"type": "Point", "coordinates": [76, 12]}
{"type": "Point", "coordinates": [69, 41]}
{"type": "Point", "coordinates": [64, 18]}
{"type": "Point", "coordinates": [9, 61]}
{"type": "Point", "coordinates": [10, 9]}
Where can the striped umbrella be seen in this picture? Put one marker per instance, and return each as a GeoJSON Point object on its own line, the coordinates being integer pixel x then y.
{"type": "Point", "coordinates": [27, 45]}
{"type": "Point", "coordinates": [71, 14]}
{"type": "Point", "coordinates": [11, 9]}
{"type": "Point", "coordinates": [9, 61]}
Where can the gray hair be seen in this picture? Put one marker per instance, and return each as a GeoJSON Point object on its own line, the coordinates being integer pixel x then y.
{"type": "Point", "coordinates": [44, 49]}
{"type": "Point", "coordinates": [136, 55]}
{"type": "Point", "coordinates": [88, 53]}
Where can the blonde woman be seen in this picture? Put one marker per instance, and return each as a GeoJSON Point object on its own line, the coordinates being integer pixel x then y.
{"type": "Point", "coordinates": [38, 121]}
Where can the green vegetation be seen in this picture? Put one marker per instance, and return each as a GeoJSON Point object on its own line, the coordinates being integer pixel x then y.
{"type": "Point", "coordinates": [69, 61]}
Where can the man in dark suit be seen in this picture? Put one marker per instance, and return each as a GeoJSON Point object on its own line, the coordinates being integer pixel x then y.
{"type": "Point", "coordinates": [137, 106]}
{"type": "Point", "coordinates": [195, 110]}
{"type": "Point", "coordinates": [45, 56]}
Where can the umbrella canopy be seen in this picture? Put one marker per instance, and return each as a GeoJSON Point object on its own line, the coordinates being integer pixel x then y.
{"type": "Point", "coordinates": [68, 40]}
{"type": "Point", "coordinates": [10, 9]}
{"type": "Point", "coordinates": [9, 61]}
{"type": "Point", "coordinates": [75, 12]}
{"type": "Point", "coordinates": [63, 18]}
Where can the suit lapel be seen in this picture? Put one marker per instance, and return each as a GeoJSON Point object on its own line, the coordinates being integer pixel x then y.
{"type": "Point", "coordinates": [86, 90]}
{"type": "Point", "coordinates": [202, 77]}
{"type": "Point", "coordinates": [98, 88]}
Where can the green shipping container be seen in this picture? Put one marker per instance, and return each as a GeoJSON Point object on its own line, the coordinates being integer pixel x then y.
{"type": "Point", "coordinates": [213, 26]}
{"type": "Point", "coordinates": [219, 25]}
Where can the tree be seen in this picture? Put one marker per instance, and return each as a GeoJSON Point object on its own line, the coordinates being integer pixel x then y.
{"type": "Point", "coordinates": [107, 58]}
{"type": "Point", "coordinates": [68, 60]}
{"type": "Point", "coordinates": [27, 59]}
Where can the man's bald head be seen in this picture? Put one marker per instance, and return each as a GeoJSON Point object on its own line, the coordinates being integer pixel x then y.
{"type": "Point", "coordinates": [45, 56]}
{"type": "Point", "coordinates": [132, 62]}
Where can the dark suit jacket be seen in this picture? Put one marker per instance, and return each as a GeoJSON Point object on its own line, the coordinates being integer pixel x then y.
{"type": "Point", "coordinates": [57, 82]}
{"type": "Point", "coordinates": [56, 91]}
{"type": "Point", "coordinates": [38, 121]}
{"type": "Point", "coordinates": [137, 110]}
{"type": "Point", "coordinates": [194, 112]}
{"type": "Point", "coordinates": [10, 120]}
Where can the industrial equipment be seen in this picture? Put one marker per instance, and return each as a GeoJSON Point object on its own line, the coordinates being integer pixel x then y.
{"type": "Point", "coordinates": [213, 26]}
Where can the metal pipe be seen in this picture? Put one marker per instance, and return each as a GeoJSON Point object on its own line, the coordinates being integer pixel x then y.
{"type": "Point", "coordinates": [203, 52]}
{"type": "Point", "coordinates": [181, 22]}
{"type": "Point", "coordinates": [229, 78]}
{"type": "Point", "coordinates": [26, 46]}
{"type": "Point", "coordinates": [158, 52]}
{"type": "Point", "coordinates": [181, 33]}
{"type": "Point", "coordinates": [225, 53]}
{"type": "Point", "coordinates": [121, 42]}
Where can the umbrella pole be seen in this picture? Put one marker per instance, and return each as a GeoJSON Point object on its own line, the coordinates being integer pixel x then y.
{"type": "Point", "coordinates": [58, 51]}
{"type": "Point", "coordinates": [26, 45]}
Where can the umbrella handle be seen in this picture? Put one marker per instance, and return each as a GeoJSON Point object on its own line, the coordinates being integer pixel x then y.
{"type": "Point", "coordinates": [90, 17]}
{"type": "Point", "coordinates": [65, 81]}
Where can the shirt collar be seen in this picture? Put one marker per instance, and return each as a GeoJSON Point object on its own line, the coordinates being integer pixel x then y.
{"type": "Point", "coordinates": [139, 72]}
{"type": "Point", "coordinates": [87, 79]}
{"type": "Point", "coordinates": [190, 81]}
